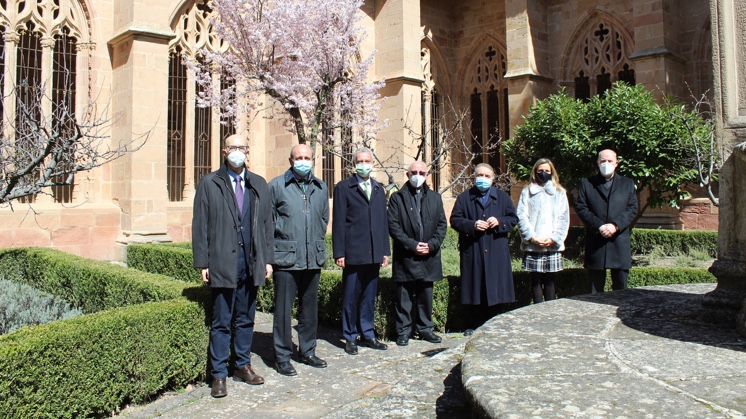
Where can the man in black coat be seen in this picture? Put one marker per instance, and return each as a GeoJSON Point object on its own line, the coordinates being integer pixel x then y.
{"type": "Point", "coordinates": [607, 204]}
{"type": "Point", "coordinates": [483, 217]}
{"type": "Point", "coordinates": [361, 248]}
{"type": "Point", "coordinates": [232, 245]}
{"type": "Point", "coordinates": [417, 225]}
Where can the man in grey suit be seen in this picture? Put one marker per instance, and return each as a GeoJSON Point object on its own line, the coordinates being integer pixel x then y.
{"type": "Point", "coordinates": [232, 239]}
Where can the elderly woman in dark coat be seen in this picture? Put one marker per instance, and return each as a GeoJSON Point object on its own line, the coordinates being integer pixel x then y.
{"type": "Point", "coordinates": [483, 216]}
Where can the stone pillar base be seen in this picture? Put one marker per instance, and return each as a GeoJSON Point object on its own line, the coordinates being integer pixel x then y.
{"type": "Point", "coordinates": [135, 237]}
{"type": "Point", "coordinates": [725, 304]}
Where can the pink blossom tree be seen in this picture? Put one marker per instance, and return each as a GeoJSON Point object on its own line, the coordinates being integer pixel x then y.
{"type": "Point", "coordinates": [305, 55]}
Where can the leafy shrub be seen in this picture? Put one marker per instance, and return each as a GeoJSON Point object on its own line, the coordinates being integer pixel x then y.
{"type": "Point", "coordinates": [22, 305]}
{"type": "Point", "coordinates": [173, 260]}
{"type": "Point", "coordinates": [90, 285]}
{"type": "Point", "coordinates": [94, 364]}
{"type": "Point", "coordinates": [673, 242]}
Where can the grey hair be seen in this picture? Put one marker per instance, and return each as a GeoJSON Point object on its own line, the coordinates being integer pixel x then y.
{"type": "Point", "coordinates": [409, 169]}
{"type": "Point", "coordinates": [364, 150]}
{"type": "Point", "coordinates": [616, 156]}
{"type": "Point", "coordinates": [485, 165]}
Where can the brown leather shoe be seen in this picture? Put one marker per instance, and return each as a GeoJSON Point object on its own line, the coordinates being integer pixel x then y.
{"type": "Point", "coordinates": [247, 375]}
{"type": "Point", "coordinates": [218, 388]}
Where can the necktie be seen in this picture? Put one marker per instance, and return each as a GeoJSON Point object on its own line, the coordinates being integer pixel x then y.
{"type": "Point", "coordinates": [239, 195]}
{"type": "Point", "coordinates": [366, 188]}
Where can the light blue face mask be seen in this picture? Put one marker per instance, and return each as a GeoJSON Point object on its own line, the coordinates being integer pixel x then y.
{"type": "Point", "coordinates": [302, 167]}
{"type": "Point", "coordinates": [483, 183]}
{"type": "Point", "coordinates": [363, 170]}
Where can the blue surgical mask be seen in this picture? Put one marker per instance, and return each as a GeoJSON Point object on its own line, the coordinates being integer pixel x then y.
{"type": "Point", "coordinates": [483, 183]}
{"type": "Point", "coordinates": [302, 167]}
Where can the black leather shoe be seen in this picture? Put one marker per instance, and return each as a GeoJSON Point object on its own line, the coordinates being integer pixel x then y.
{"type": "Point", "coordinates": [402, 340]}
{"type": "Point", "coordinates": [430, 337]}
{"type": "Point", "coordinates": [218, 388]}
{"type": "Point", "coordinates": [285, 368]}
{"type": "Point", "coordinates": [372, 344]}
{"type": "Point", "coordinates": [312, 360]}
{"type": "Point", "coordinates": [351, 348]}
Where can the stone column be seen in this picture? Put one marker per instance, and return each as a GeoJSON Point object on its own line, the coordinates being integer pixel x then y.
{"type": "Point", "coordinates": [140, 71]}
{"type": "Point", "coordinates": [528, 72]}
{"type": "Point", "coordinates": [657, 56]}
{"type": "Point", "coordinates": [728, 44]}
{"type": "Point", "coordinates": [397, 36]}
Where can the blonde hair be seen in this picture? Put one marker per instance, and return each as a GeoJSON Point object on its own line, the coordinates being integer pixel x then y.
{"type": "Point", "coordinates": [555, 176]}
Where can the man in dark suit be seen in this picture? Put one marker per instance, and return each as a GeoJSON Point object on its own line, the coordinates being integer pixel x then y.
{"type": "Point", "coordinates": [607, 204]}
{"type": "Point", "coordinates": [361, 248]}
{"type": "Point", "coordinates": [232, 243]}
{"type": "Point", "coordinates": [417, 225]}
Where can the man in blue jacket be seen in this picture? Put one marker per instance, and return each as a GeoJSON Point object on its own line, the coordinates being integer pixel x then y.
{"type": "Point", "coordinates": [232, 241]}
{"type": "Point", "coordinates": [361, 247]}
{"type": "Point", "coordinates": [300, 208]}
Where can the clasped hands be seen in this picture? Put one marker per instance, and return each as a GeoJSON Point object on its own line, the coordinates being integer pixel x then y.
{"type": "Point", "coordinates": [543, 242]}
{"type": "Point", "coordinates": [484, 225]}
{"type": "Point", "coordinates": [607, 230]}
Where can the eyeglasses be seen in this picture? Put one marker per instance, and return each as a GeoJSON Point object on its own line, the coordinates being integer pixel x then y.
{"type": "Point", "coordinates": [418, 173]}
{"type": "Point", "coordinates": [232, 148]}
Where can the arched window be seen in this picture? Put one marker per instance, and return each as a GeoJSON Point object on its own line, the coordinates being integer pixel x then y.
{"type": "Point", "coordinates": [39, 76]}
{"type": "Point", "coordinates": [487, 91]}
{"type": "Point", "coordinates": [194, 133]}
{"type": "Point", "coordinates": [599, 59]}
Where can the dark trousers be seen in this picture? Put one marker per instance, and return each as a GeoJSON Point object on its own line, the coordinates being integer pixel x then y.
{"type": "Point", "coordinates": [237, 306]}
{"type": "Point", "coordinates": [542, 286]}
{"type": "Point", "coordinates": [478, 314]}
{"type": "Point", "coordinates": [407, 294]}
{"type": "Point", "coordinates": [306, 284]}
{"type": "Point", "coordinates": [360, 283]}
{"type": "Point", "coordinates": [598, 279]}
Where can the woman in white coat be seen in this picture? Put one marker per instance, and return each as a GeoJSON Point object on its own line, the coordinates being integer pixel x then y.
{"type": "Point", "coordinates": [543, 221]}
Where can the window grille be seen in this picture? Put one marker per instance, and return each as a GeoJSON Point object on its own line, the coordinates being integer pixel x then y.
{"type": "Point", "coordinates": [177, 93]}
{"type": "Point", "coordinates": [63, 103]}
{"type": "Point", "coordinates": [28, 98]}
{"type": "Point", "coordinates": [202, 138]}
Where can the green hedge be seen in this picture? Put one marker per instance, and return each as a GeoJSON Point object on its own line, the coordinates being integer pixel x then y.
{"type": "Point", "coordinates": [673, 242]}
{"type": "Point", "coordinates": [90, 285]}
{"type": "Point", "coordinates": [94, 364]}
{"type": "Point", "coordinates": [132, 346]}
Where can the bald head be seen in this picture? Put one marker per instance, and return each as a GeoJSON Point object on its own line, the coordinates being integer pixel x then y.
{"type": "Point", "coordinates": [234, 143]}
{"type": "Point", "coordinates": [301, 152]}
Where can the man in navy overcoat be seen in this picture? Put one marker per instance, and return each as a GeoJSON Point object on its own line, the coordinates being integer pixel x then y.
{"type": "Point", "coordinates": [483, 216]}
{"type": "Point", "coordinates": [361, 247]}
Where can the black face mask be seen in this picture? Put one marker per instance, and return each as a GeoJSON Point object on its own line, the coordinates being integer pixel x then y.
{"type": "Point", "coordinates": [543, 177]}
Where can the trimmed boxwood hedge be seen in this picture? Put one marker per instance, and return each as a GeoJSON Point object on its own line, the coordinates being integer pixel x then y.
{"type": "Point", "coordinates": [90, 285]}
{"type": "Point", "coordinates": [94, 364]}
{"type": "Point", "coordinates": [146, 332]}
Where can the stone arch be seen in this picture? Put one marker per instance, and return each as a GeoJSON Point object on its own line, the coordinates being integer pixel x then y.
{"type": "Point", "coordinates": [192, 26]}
{"type": "Point", "coordinates": [703, 60]}
{"type": "Point", "coordinates": [473, 52]}
{"type": "Point", "coordinates": [50, 17]}
{"type": "Point", "coordinates": [610, 52]}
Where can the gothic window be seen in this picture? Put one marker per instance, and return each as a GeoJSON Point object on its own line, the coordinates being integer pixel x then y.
{"type": "Point", "coordinates": [600, 59]}
{"type": "Point", "coordinates": [488, 105]}
{"type": "Point", "coordinates": [337, 148]}
{"type": "Point", "coordinates": [39, 59]}
{"type": "Point", "coordinates": [195, 134]}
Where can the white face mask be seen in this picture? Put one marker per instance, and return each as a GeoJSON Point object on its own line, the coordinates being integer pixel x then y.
{"type": "Point", "coordinates": [417, 181]}
{"type": "Point", "coordinates": [237, 158]}
{"type": "Point", "coordinates": [606, 169]}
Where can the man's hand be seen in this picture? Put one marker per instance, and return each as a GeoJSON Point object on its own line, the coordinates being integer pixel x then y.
{"type": "Point", "coordinates": [607, 230]}
{"type": "Point", "coordinates": [206, 275]}
{"type": "Point", "coordinates": [481, 225]}
{"type": "Point", "coordinates": [269, 271]}
{"type": "Point", "coordinates": [340, 262]}
{"type": "Point", "coordinates": [422, 249]}
{"type": "Point", "coordinates": [385, 262]}
{"type": "Point", "coordinates": [492, 222]}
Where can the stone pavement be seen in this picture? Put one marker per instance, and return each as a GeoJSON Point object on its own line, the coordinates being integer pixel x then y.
{"type": "Point", "coordinates": [419, 380]}
{"type": "Point", "coordinates": [637, 353]}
